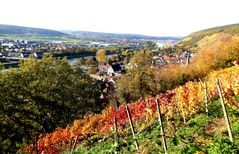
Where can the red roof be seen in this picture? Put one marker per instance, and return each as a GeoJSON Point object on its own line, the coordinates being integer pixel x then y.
{"type": "Point", "coordinates": [167, 58]}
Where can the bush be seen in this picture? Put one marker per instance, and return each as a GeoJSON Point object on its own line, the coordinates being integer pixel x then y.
{"type": "Point", "coordinates": [223, 145]}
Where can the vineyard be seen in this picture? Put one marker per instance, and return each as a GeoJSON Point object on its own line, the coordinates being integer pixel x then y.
{"type": "Point", "coordinates": [178, 109]}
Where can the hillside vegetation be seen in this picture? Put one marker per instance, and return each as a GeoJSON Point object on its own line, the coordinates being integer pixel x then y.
{"type": "Point", "coordinates": [215, 48]}
{"type": "Point", "coordinates": [203, 38]}
{"type": "Point", "coordinates": [188, 128]}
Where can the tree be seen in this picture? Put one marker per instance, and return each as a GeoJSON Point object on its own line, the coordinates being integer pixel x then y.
{"type": "Point", "coordinates": [139, 81]}
{"type": "Point", "coordinates": [41, 96]}
{"type": "Point", "coordinates": [125, 53]}
{"type": "Point", "coordinates": [100, 55]}
{"type": "Point", "coordinates": [142, 58]}
{"type": "Point", "coordinates": [1, 66]}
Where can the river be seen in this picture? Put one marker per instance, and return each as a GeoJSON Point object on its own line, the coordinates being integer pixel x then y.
{"type": "Point", "coordinates": [71, 61]}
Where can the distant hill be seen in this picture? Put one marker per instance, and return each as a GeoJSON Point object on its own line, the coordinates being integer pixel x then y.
{"type": "Point", "coordinates": [101, 35]}
{"type": "Point", "coordinates": [28, 31]}
{"type": "Point", "coordinates": [209, 37]}
{"type": "Point", "coordinates": [11, 30]}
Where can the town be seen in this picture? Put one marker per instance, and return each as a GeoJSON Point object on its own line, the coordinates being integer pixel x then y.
{"type": "Point", "coordinates": [116, 56]}
{"type": "Point", "coordinates": [12, 51]}
{"type": "Point", "coordinates": [119, 53]}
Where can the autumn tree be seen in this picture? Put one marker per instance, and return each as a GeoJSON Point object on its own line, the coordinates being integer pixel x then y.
{"type": "Point", "coordinates": [101, 55]}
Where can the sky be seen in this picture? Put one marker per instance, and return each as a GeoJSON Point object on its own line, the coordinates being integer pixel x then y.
{"type": "Point", "coordinates": [149, 17]}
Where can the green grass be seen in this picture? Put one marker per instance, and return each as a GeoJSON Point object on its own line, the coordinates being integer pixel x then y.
{"type": "Point", "coordinates": [201, 134]}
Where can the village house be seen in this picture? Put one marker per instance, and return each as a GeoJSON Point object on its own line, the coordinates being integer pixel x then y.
{"type": "Point", "coordinates": [158, 61]}
{"type": "Point", "coordinates": [110, 69]}
{"type": "Point", "coordinates": [5, 53]}
{"type": "Point", "coordinates": [25, 54]}
{"type": "Point", "coordinates": [38, 55]}
{"type": "Point", "coordinates": [114, 70]}
{"type": "Point", "coordinates": [171, 60]}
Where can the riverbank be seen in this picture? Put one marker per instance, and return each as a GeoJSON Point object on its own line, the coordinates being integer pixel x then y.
{"type": "Point", "coordinates": [72, 58]}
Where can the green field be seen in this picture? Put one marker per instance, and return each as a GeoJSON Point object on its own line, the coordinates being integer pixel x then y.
{"type": "Point", "coordinates": [44, 38]}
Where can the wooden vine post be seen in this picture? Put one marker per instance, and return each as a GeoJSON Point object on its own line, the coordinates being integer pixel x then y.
{"type": "Point", "coordinates": [183, 113]}
{"type": "Point", "coordinates": [115, 133]}
{"type": "Point", "coordinates": [115, 125]}
{"type": "Point", "coordinates": [115, 129]}
{"type": "Point", "coordinates": [70, 143]}
{"type": "Point", "coordinates": [224, 110]}
{"type": "Point", "coordinates": [161, 126]}
{"type": "Point", "coordinates": [180, 106]}
{"type": "Point", "coordinates": [206, 98]}
{"type": "Point", "coordinates": [131, 126]}
{"type": "Point", "coordinates": [73, 148]}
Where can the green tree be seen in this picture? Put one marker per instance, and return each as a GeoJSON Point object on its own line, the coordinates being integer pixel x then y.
{"type": "Point", "coordinates": [100, 55]}
{"type": "Point", "coordinates": [141, 58]}
{"type": "Point", "coordinates": [1, 66]}
{"type": "Point", "coordinates": [40, 96]}
{"type": "Point", "coordinates": [139, 80]}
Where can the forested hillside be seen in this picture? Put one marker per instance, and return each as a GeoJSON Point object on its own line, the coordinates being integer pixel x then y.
{"type": "Point", "coordinates": [28, 31]}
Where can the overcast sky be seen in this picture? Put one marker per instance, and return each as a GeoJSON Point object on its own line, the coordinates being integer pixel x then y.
{"type": "Point", "coordinates": [150, 17]}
